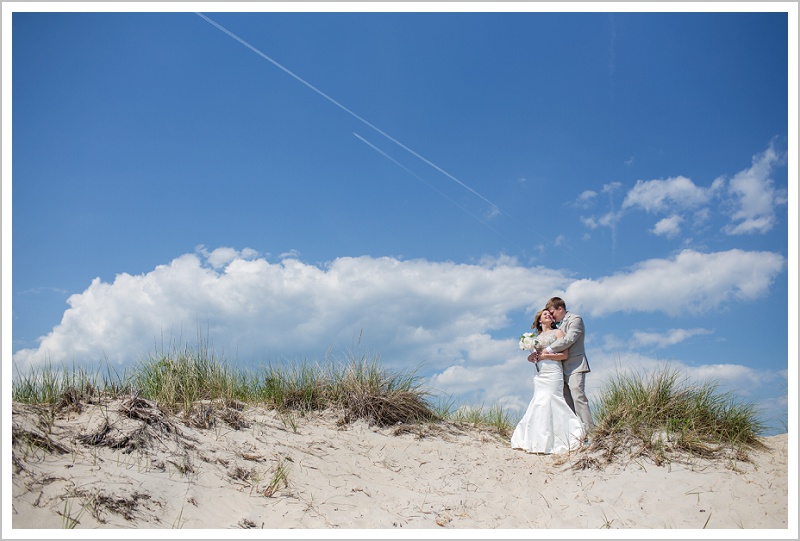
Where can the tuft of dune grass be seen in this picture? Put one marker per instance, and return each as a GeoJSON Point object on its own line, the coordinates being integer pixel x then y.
{"type": "Point", "coordinates": [197, 384]}
{"type": "Point", "coordinates": [662, 413]}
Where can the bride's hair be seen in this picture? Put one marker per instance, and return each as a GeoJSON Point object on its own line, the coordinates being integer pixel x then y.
{"type": "Point", "coordinates": [537, 324]}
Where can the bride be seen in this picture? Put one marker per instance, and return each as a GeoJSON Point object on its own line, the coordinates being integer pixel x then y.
{"type": "Point", "coordinates": [549, 425]}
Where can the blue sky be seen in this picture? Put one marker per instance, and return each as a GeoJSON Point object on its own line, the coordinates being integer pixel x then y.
{"type": "Point", "coordinates": [413, 185]}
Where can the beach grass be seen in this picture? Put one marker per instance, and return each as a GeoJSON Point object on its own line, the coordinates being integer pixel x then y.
{"type": "Point", "coordinates": [495, 418]}
{"type": "Point", "coordinates": [185, 381]}
{"type": "Point", "coordinates": [658, 413]}
{"type": "Point", "coordinates": [663, 411]}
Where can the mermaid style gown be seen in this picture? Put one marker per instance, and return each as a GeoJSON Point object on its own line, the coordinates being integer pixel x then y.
{"type": "Point", "coordinates": [549, 425]}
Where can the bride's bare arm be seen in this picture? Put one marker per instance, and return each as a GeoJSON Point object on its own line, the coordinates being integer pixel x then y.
{"type": "Point", "coordinates": [560, 356]}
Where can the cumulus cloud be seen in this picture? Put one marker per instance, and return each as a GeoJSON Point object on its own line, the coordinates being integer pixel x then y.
{"type": "Point", "coordinates": [668, 227]}
{"type": "Point", "coordinates": [691, 281]}
{"type": "Point", "coordinates": [44, 290]}
{"type": "Point", "coordinates": [664, 195]}
{"type": "Point", "coordinates": [492, 212]}
{"type": "Point", "coordinates": [220, 257]}
{"type": "Point", "coordinates": [610, 220]}
{"type": "Point", "coordinates": [586, 198]}
{"type": "Point", "coordinates": [612, 187]}
{"type": "Point", "coordinates": [754, 196]}
{"type": "Point", "coordinates": [750, 199]}
{"type": "Point", "coordinates": [439, 313]}
{"type": "Point", "coordinates": [664, 339]}
{"type": "Point", "coordinates": [590, 222]}
{"type": "Point", "coordinates": [507, 383]}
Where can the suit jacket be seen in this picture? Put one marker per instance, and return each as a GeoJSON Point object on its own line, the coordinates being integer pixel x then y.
{"type": "Point", "coordinates": [572, 326]}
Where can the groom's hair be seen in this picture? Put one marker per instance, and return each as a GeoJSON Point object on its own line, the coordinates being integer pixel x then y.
{"type": "Point", "coordinates": [555, 302]}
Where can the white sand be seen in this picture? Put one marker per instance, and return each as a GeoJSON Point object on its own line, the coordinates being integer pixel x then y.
{"type": "Point", "coordinates": [360, 477]}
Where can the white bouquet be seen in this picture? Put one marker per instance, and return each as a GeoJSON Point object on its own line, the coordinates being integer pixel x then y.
{"type": "Point", "coordinates": [528, 341]}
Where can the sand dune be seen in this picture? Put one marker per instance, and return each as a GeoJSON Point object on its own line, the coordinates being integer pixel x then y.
{"type": "Point", "coordinates": [122, 464]}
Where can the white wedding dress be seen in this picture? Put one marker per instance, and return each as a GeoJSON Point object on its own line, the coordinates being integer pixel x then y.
{"type": "Point", "coordinates": [549, 425]}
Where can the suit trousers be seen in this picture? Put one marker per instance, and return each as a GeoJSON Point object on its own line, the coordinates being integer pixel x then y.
{"type": "Point", "coordinates": [575, 395]}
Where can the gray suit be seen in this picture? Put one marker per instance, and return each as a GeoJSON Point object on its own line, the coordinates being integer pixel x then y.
{"type": "Point", "coordinates": [575, 367]}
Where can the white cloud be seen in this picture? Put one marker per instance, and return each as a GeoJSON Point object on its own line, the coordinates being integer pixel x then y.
{"type": "Point", "coordinates": [43, 290]}
{"type": "Point", "coordinates": [291, 254]}
{"type": "Point", "coordinates": [262, 308]}
{"type": "Point", "coordinates": [691, 281]}
{"type": "Point", "coordinates": [665, 195]}
{"type": "Point", "coordinates": [754, 196]}
{"type": "Point", "coordinates": [668, 227]}
{"type": "Point", "coordinates": [220, 257]}
{"type": "Point", "coordinates": [508, 382]}
{"type": "Point", "coordinates": [750, 198]}
{"type": "Point", "coordinates": [492, 212]}
{"type": "Point", "coordinates": [590, 222]}
{"type": "Point", "coordinates": [609, 219]}
{"type": "Point", "coordinates": [664, 339]}
{"type": "Point", "coordinates": [701, 217]}
{"type": "Point", "coordinates": [442, 313]}
{"type": "Point", "coordinates": [586, 199]}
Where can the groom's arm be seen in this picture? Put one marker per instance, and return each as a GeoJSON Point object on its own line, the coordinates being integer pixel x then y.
{"type": "Point", "coordinates": [573, 332]}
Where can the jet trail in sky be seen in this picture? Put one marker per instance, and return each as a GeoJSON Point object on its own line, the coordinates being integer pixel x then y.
{"type": "Point", "coordinates": [494, 207]}
{"type": "Point", "coordinates": [343, 108]}
{"type": "Point", "coordinates": [409, 171]}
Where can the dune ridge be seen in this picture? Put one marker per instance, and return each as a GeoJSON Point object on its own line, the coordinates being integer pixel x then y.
{"type": "Point", "coordinates": [123, 464]}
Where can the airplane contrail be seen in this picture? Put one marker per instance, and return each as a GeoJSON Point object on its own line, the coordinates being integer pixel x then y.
{"type": "Point", "coordinates": [495, 207]}
{"type": "Point", "coordinates": [409, 171]}
{"type": "Point", "coordinates": [342, 107]}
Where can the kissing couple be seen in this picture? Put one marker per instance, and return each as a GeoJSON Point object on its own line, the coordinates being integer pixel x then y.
{"type": "Point", "coordinates": [558, 418]}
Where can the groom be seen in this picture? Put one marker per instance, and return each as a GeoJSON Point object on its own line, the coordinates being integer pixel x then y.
{"type": "Point", "coordinates": [576, 366]}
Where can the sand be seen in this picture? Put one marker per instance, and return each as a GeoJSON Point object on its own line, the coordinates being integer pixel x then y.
{"type": "Point", "coordinates": [122, 465]}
